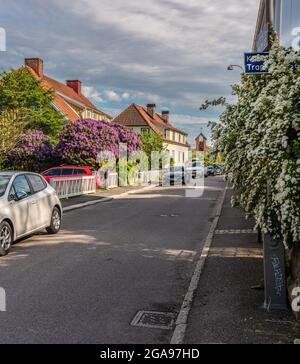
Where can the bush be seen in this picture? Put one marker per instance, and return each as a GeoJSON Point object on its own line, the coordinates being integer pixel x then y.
{"type": "Point", "coordinates": [260, 138]}
{"type": "Point", "coordinates": [82, 141]}
{"type": "Point", "coordinates": [32, 153]}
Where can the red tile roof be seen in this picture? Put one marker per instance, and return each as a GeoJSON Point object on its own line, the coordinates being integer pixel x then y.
{"type": "Point", "coordinates": [65, 96]}
{"type": "Point", "coordinates": [136, 115]}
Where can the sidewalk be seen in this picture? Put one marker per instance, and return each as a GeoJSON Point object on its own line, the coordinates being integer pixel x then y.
{"type": "Point", "coordinates": [99, 196]}
{"type": "Point", "coordinates": [225, 309]}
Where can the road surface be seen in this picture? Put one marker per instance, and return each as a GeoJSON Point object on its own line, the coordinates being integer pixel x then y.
{"type": "Point", "coordinates": [110, 261]}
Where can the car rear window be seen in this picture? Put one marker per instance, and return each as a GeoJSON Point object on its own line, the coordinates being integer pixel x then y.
{"type": "Point", "coordinates": [37, 183]}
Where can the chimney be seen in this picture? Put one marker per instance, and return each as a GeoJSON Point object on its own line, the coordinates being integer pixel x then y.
{"type": "Point", "coordinates": [151, 109]}
{"type": "Point", "coordinates": [75, 85]}
{"type": "Point", "coordinates": [165, 116]}
{"type": "Point", "coordinates": [36, 64]}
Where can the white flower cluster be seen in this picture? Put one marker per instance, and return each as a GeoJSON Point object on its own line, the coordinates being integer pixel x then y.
{"type": "Point", "coordinates": [260, 138]}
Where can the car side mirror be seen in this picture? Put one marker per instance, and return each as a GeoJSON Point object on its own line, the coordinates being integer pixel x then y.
{"type": "Point", "coordinates": [21, 195]}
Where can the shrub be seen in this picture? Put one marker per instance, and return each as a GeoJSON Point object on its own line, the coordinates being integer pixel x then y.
{"type": "Point", "coordinates": [32, 153]}
{"type": "Point", "coordinates": [82, 141]}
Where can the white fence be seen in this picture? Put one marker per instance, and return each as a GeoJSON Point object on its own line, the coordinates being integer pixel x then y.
{"type": "Point", "coordinates": [112, 181]}
{"type": "Point", "coordinates": [143, 178]}
{"type": "Point", "coordinates": [150, 177]}
{"type": "Point", "coordinates": [74, 186]}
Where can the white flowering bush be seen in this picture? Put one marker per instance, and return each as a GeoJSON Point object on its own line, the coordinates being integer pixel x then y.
{"type": "Point", "coordinates": [260, 138]}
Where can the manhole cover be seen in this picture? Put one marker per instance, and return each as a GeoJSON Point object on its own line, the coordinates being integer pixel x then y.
{"type": "Point", "coordinates": [155, 320]}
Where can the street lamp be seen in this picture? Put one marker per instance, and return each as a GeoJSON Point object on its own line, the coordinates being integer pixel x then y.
{"type": "Point", "coordinates": [231, 67]}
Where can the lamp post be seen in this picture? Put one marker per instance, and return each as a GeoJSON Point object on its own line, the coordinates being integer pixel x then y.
{"type": "Point", "coordinates": [231, 67]}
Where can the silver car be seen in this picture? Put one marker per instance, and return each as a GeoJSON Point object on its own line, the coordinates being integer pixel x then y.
{"type": "Point", "coordinates": [27, 204]}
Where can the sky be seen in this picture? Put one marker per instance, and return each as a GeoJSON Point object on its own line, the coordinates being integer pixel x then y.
{"type": "Point", "coordinates": [173, 53]}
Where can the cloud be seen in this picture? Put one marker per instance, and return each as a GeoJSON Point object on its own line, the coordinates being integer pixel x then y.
{"type": "Point", "coordinates": [126, 96]}
{"type": "Point", "coordinates": [192, 120]}
{"type": "Point", "coordinates": [174, 53]}
{"type": "Point", "coordinates": [91, 93]}
{"type": "Point", "coordinates": [112, 96]}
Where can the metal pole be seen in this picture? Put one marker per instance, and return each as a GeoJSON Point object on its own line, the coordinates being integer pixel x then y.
{"type": "Point", "coordinates": [274, 271]}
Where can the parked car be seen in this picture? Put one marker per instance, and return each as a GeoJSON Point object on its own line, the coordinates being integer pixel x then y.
{"type": "Point", "coordinates": [175, 176]}
{"type": "Point", "coordinates": [27, 204]}
{"type": "Point", "coordinates": [211, 171]}
{"type": "Point", "coordinates": [219, 169]}
{"type": "Point", "coordinates": [196, 169]}
{"type": "Point", "coordinates": [70, 171]}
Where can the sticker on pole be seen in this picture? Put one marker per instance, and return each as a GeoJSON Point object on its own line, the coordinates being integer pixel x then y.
{"type": "Point", "coordinates": [255, 63]}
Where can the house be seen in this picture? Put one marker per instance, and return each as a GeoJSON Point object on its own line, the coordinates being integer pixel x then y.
{"type": "Point", "coordinates": [142, 120]}
{"type": "Point", "coordinates": [281, 16]}
{"type": "Point", "coordinates": [201, 144]}
{"type": "Point", "coordinates": [68, 98]}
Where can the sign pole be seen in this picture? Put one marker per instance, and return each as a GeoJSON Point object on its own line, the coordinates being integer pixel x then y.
{"type": "Point", "coordinates": [274, 271]}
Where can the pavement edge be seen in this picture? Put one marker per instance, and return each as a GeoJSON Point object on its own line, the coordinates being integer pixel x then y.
{"type": "Point", "coordinates": [104, 199]}
{"type": "Point", "coordinates": [182, 319]}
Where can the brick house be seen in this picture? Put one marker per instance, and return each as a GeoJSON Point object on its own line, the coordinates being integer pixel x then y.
{"type": "Point", "coordinates": [142, 120]}
{"type": "Point", "coordinates": [68, 98]}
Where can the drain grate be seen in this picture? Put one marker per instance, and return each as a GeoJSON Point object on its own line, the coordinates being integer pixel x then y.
{"type": "Point", "coordinates": [154, 320]}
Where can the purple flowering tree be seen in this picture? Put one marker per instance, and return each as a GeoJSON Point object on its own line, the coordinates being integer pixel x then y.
{"type": "Point", "coordinates": [129, 137]}
{"type": "Point", "coordinates": [82, 141]}
{"type": "Point", "coordinates": [32, 153]}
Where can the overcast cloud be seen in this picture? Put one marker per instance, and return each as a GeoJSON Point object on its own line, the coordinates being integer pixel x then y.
{"type": "Point", "coordinates": [171, 52]}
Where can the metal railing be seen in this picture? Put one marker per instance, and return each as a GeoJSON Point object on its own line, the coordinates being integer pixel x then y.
{"type": "Point", "coordinates": [74, 186]}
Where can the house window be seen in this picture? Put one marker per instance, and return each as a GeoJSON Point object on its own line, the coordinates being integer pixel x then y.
{"type": "Point", "coordinates": [145, 130]}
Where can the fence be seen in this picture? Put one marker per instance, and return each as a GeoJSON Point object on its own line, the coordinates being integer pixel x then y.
{"type": "Point", "coordinates": [74, 186]}
{"type": "Point", "coordinates": [112, 181]}
{"type": "Point", "coordinates": [137, 178]}
{"type": "Point", "coordinates": [150, 177]}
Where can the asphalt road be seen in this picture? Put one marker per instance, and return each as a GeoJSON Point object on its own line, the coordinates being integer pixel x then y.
{"type": "Point", "coordinates": [86, 284]}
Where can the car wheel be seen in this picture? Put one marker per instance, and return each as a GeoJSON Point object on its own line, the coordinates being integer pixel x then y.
{"type": "Point", "coordinates": [55, 222]}
{"type": "Point", "coordinates": [6, 238]}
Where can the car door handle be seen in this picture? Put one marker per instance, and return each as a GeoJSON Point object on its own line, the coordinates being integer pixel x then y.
{"type": "Point", "coordinates": [33, 203]}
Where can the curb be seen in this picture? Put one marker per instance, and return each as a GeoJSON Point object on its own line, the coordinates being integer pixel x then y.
{"type": "Point", "coordinates": [104, 199]}
{"type": "Point", "coordinates": [182, 319]}
{"type": "Point", "coordinates": [86, 204]}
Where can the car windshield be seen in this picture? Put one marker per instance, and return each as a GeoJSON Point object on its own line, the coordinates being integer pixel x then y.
{"type": "Point", "coordinates": [4, 181]}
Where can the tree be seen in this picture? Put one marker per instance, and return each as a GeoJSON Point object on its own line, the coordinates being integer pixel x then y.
{"type": "Point", "coordinates": [19, 89]}
{"type": "Point", "coordinates": [82, 142]}
{"type": "Point", "coordinates": [260, 138]}
{"type": "Point", "coordinates": [12, 125]}
{"type": "Point", "coordinates": [152, 142]}
{"type": "Point", "coordinates": [129, 137]}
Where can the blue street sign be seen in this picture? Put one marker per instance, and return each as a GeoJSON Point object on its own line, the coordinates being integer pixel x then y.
{"type": "Point", "coordinates": [255, 63]}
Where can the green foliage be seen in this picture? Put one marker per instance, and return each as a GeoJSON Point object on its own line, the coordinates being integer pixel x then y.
{"type": "Point", "coordinates": [152, 142]}
{"type": "Point", "coordinates": [20, 90]}
{"type": "Point", "coordinates": [260, 137]}
{"type": "Point", "coordinates": [12, 126]}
